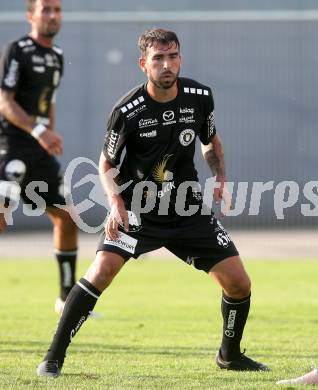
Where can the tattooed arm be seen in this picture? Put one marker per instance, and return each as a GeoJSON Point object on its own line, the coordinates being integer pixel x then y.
{"type": "Point", "coordinates": [213, 154]}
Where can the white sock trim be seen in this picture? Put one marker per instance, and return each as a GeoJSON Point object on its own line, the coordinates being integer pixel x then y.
{"type": "Point", "coordinates": [65, 253]}
{"type": "Point", "coordinates": [87, 290]}
{"type": "Point", "coordinates": [236, 303]}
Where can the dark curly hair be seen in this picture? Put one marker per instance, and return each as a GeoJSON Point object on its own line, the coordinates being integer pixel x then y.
{"type": "Point", "coordinates": [157, 35]}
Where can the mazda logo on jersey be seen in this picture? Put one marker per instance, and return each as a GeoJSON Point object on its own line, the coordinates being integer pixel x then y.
{"type": "Point", "coordinates": [168, 116]}
{"type": "Point", "coordinates": [186, 137]}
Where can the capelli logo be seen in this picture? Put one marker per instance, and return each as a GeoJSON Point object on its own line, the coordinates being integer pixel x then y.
{"type": "Point", "coordinates": [168, 116]}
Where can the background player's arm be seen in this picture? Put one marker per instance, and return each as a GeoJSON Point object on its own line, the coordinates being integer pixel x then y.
{"type": "Point", "coordinates": [15, 114]}
{"type": "Point", "coordinates": [213, 154]}
{"type": "Point", "coordinates": [118, 213]}
{"type": "Point", "coordinates": [52, 116]}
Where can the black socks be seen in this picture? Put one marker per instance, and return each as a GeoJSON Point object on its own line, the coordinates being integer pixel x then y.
{"type": "Point", "coordinates": [79, 304]}
{"type": "Point", "coordinates": [235, 313]}
{"type": "Point", "coordinates": [67, 264]}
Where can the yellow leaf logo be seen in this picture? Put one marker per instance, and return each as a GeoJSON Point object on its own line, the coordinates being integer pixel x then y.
{"type": "Point", "coordinates": [159, 172]}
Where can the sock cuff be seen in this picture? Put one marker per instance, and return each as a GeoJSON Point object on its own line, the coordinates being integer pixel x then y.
{"type": "Point", "coordinates": [233, 301]}
{"type": "Point", "coordinates": [89, 288]}
{"type": "Point", "coordinates": [65, 252]}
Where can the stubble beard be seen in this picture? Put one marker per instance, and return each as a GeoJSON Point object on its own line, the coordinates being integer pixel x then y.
{"type": "Point", "coordinates": [50, 32]}
{"type": "Point", "coordinates": [164, 84]}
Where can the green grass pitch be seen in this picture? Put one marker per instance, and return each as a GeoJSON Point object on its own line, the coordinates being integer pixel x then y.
{"type": "Point", "coordinates": [160, 327]}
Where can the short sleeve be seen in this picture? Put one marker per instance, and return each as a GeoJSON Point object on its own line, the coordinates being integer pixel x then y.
{"type": "Point", "coordinates": [208, 128]}
{"type": "Point", "coordinates": [60, 55]}
{"type": "Point", "coordinates": [115, 139]}
{"type": "Point", "coordinates": [10, 65]}
{"type": "Point", "coordinates": [62, 64]}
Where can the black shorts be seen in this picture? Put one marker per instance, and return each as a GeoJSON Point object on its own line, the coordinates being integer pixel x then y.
{"type": "Point", "coordinates": [25, 163]}
{"type": "Point", "coordinates": [199, 240]}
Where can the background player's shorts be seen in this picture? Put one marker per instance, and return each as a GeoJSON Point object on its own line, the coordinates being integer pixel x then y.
{"type": "Point", "coordinates": [199, 240]}
{"type": "Point", "coordinates": [24, 164]}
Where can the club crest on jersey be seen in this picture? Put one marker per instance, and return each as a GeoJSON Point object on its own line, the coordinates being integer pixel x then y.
{"type": "Point", "coordinates": [186, 137]}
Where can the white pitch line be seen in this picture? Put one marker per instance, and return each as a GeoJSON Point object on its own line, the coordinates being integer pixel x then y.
{"type": "Point", "coordinates": [177, 16]}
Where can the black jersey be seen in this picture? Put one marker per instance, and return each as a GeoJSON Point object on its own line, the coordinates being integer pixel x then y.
{"type": "Point", "coordinates": [33, 72]}
{"type": "Point", "coordinates": [160, 137]}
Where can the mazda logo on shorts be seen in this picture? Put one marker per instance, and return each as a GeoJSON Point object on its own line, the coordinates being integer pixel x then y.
{"type": "Point", "coordinates": [168, 116]}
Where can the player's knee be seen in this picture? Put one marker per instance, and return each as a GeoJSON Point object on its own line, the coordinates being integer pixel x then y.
{"type": "Point", "coordinates": [64, 222]}
{"type": "Point", "coordinates": [104, 269]}
{"type": "Point", "coordinates": [107, 271]}
{"type": "Point", "coordinates": [68, 223]}
{"type": "Point", "coordinates": [239, 288]}
{"type": "Point", "coordinates": [245, 287]}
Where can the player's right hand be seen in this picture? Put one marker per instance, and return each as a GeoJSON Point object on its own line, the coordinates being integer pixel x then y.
{"type": "Point", "coordinates": [118, 216]}
{"type": "Point", "coordinates": [222, 194]}
{"type": "Point", "coordinates": [51, 142]}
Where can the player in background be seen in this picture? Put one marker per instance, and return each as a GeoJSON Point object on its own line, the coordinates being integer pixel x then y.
{"type": "Point", "coordinates": [30, 72]}
{"type": "Point", "coordinates": [158, 123]}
